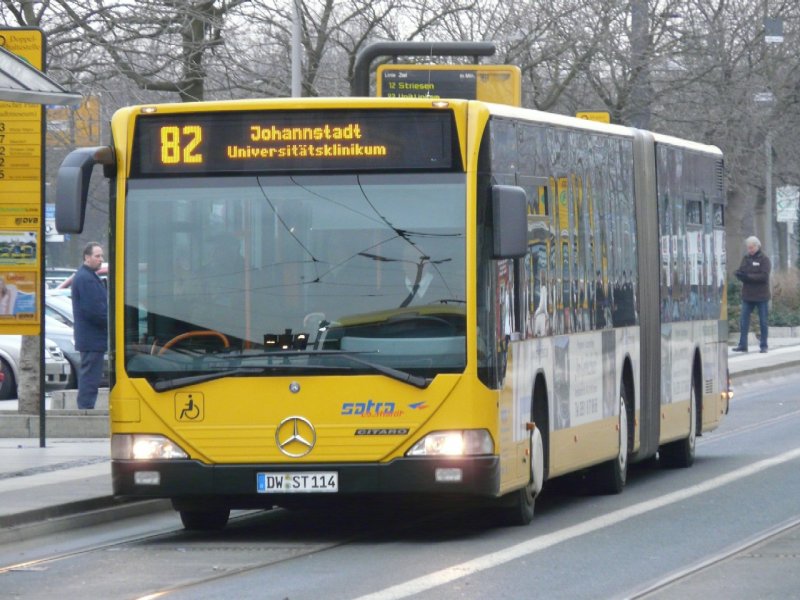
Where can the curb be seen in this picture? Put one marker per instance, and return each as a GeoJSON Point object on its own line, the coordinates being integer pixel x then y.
{"type": "Point", "coordinates": [58, 424]}
{"type": "Point", "coordinates": [73, 515]}
{"type": "Point", "coordinates": [745, 375]}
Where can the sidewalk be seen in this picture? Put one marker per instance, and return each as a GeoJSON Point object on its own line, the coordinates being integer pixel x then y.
{"type": "Point", "coordinates": [65, 485]}
{"type": "Point", "coordinates": [783, 354]}
{"type": "Point", "coordinates": [72, 475]}
{"type": "Point", "coordinates": [41, 483]}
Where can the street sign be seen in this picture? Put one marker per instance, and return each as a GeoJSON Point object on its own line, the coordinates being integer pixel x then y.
{"type": "Point", "coordinates": [50, 232]}
{"type": "Point", "coordinates": [489, 83]}
{"type": "Point", "coordinates": [21, 193]}
{"type": "Point", "coordinates": [787, 198]}
{"type": "Point", "coordinates": [773, 30]}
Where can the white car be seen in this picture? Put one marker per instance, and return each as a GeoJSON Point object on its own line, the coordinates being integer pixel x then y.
{"type": "Point", "coordinates": [56, 367]}
{"type": "Point", "coordinates": [59, 326]}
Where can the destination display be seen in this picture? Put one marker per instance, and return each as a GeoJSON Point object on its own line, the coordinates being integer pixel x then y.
{"type": "Point", "coordinates": [489, 83]}
{"type": "Point", "coordinates": [290, 141]}
{"type": "Point", "coordinates": [407, 83]}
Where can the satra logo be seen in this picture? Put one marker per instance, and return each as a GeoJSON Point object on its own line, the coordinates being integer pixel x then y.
{"type": "Point", "coordinates": [370, 408]}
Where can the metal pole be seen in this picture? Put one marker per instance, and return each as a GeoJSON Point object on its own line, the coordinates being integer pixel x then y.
{"type": "Point", "coordinates": [41, 244]}
{"type": "Point", "coordinates": [297, 74]}
{"type": "Point", "coordinates": [768, 200]}
{"type": "Point", "coordinates": [639, 107]}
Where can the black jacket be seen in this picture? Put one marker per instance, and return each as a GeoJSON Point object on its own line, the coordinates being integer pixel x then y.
{"type": "Point", "coordinates": [754, 275]}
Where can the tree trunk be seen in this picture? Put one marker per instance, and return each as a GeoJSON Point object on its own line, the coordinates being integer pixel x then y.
{"type": "Point", "coordinates": [28, 384]}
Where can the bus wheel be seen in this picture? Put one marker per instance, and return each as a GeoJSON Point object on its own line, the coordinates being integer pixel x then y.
{"type": "Point", "coordinates": [609, 477]}
{"type": "Point", "coordinates": [517, 508]}
{"type": "Point", "coordinates": [209, 519]}
{"type": "Point", "coordinates": [680, 454]}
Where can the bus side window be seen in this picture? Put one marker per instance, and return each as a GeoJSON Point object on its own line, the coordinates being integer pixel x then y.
{"type": "Point", "coordinates": [532, 270]}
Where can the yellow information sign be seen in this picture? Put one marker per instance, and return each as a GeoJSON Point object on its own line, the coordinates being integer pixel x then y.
{"type": "Point", "coordinates": [21, 187]}
{"type": "Point", "coordinates": [489, 83]}
{"type": "Point", "coordinates": [598, 115]}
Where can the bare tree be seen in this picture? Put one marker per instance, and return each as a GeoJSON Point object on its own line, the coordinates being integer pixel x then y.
{"type": "Point", "coordinates": [160, 45]}
{"type": "Point", "coordinates": [686, 67]}
{"type": "Point", "coordinates": [332, 34]}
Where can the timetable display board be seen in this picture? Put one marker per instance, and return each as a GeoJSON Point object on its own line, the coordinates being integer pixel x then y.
{"type": "Point", "coordinates": [489, 83]}
{"type": "Point", "coordinates": [21, 192]}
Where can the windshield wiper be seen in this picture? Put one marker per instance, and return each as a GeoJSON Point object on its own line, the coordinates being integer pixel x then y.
{"type": "Point", "coordinates": [178, 382]}
{"type": "Point", "coordinates": [415, 380]}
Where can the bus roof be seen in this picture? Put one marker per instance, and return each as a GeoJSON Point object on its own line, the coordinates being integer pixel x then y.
{"type": "Point", "coordinates": [345, 102]}
{"type": "Point", "coordinates": [660, 138]}
{"type": "Point", "coordinates": [587, 125]}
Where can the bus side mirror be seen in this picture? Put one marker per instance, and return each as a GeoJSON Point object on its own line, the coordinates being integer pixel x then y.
{"type": "Point", "coordinates": [510, 221]}
{"type": "Point", "coordinates": [72, 185]}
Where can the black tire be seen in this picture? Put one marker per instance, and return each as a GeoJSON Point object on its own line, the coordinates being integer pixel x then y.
{"type": "Point", "coordinates": [517, 507]}
{"type": "Point", "coordinates": [212, 519]}
{"type": "Point", "coordinates": [72, 382]}
{"type": "Point", "coordinates": [680, 454]}
{"type": "Point", "coordinates": [610, 477]}
{"type": "Point", "coordinates": [8, 388]}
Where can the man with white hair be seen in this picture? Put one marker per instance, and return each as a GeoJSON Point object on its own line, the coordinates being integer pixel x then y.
{"type": "Point", "coordinates": [754, 275]}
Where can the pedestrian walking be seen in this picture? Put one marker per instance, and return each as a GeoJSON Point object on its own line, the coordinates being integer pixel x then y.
{"type": "Point", "coordinates": [754, 275]}
{"type": "Point", "coordinates": [90, 311]}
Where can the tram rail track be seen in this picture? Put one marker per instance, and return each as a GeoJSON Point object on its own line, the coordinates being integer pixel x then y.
{"type": "Point", "coordinates": [178, 536]}
{"type": "Point", "coordinates": [651, 589]}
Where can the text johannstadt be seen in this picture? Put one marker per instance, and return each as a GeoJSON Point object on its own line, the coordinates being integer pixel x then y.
{"type": "Point", "coordinates": [273, 133]}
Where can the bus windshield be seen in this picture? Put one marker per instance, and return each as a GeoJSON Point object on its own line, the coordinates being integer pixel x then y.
{"type": "Point", "coordinates": [288, 274]}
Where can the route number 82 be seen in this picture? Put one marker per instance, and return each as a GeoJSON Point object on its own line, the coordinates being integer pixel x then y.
{"type": "Point", "coordinates": [179, 144]}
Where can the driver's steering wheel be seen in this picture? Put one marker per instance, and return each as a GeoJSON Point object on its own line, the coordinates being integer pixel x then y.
{"type": "Point", "coordinates": [191, 334]}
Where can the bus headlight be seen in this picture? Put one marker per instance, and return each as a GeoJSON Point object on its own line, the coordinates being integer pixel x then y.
{"type": "Point", "coordinates": [144, 447]}
{"type": "Point", "coordinates": [454, 443]}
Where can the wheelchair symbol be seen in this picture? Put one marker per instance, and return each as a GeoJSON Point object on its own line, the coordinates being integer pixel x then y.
{"type": "Point", "coordinates": [189, 407]}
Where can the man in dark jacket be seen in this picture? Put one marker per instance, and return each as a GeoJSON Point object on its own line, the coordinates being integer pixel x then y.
{"type": "Point", "coordinates": [754, 275]}
{"type": "Point", "coordinates": [90, 311]}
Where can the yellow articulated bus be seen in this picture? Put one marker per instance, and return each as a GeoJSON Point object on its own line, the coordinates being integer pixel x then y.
{"type": "Point", "coordinates": [319, 299]}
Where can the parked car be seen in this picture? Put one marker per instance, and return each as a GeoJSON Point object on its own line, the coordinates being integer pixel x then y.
{"type": "Point", "coordinates": [56, 367]}
{"type": "Point", "coordinates": [60, 332]}
{"type": "Point", "coordinates": [54, 277]}
{"type": "Point", "coordinates": [102, 273]}
{"type": "Point", "coordinates": [59, 326]}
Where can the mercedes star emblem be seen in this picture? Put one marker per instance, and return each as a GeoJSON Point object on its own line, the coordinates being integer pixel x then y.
{"type": "Point", "coordinates": [295, 436]}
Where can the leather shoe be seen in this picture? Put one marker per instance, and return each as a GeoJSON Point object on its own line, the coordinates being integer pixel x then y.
{"type": "Point", "coordinates": [739, 349]}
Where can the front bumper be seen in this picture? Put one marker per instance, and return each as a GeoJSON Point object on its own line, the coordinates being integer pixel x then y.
{"type": "Point", "coordinates": [187, 479]}
{"type": "Point", "coordinates": [56, 374]}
